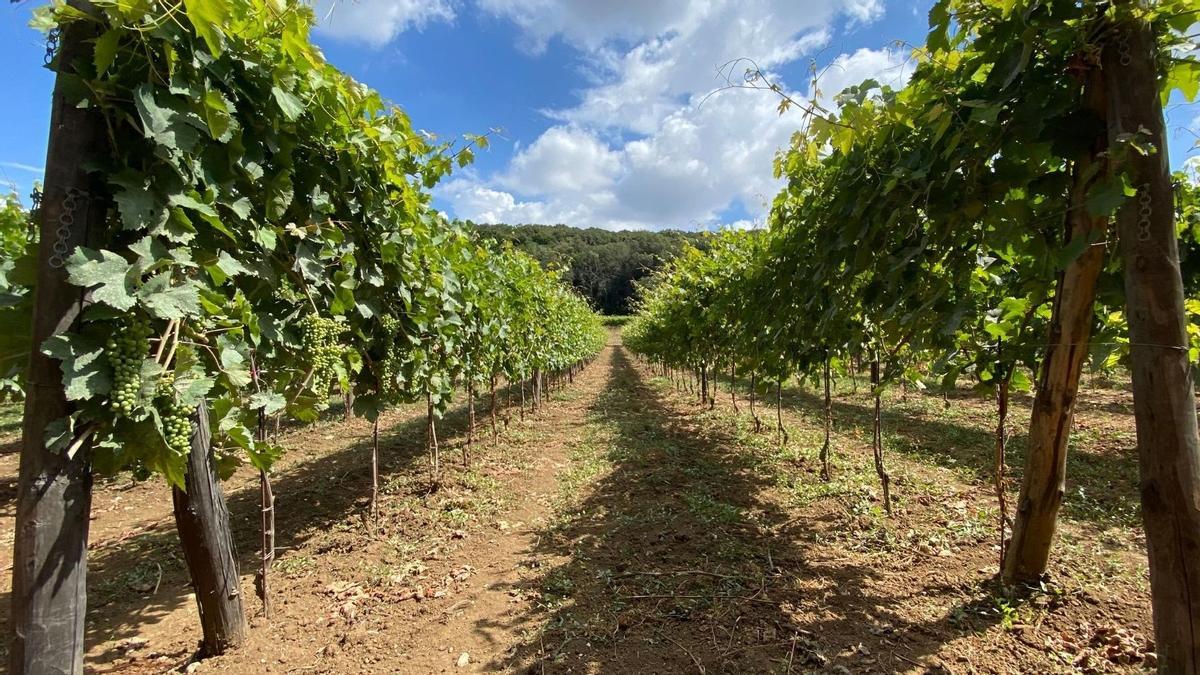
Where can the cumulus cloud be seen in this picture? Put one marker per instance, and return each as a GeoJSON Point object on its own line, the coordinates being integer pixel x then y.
{"type": "Point", "coordinates": [563, 160]}
{"type": "Point", "coordinates": [588, 23]}
{"type": "Point", "coordinates": [377, 22]}
{"type": "Point", "coordinates": [646, 146]}
{"type": "Point", "coordinates": [890, 67]}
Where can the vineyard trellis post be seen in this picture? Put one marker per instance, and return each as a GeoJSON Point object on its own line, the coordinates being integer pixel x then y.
{"type": "Point", "coordinates": [1163, 390]}
{"type": "Point", "coordinates": [54, 486]}
{"type": "Point", "coordinates": [202, 519]}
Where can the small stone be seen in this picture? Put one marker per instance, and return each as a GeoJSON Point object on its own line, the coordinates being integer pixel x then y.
{"type": "Point", "coordinates": [463, 659]}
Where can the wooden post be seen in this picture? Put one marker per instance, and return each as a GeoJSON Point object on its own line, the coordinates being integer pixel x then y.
{"type": "Point", "coordinates": [1044, 482]}
{"type": "Point", "coordinates": [1164, 399]}
{"type": "Point", "coordinates": [54, 488]}
{"type": "Point", "coordinates": [202, 520]}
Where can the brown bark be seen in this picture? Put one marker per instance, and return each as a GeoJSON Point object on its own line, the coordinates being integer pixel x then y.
{"type": "Point", "coordinates": [267, 555]}
{"type": "Point", "coordinates": [466, 453]}
{"type": "Point", "coordinates": [375, 469]}
{"type": "Point", "coordinates": [1163, 391]}
{"type": "Point", "coordinates": [1001, 445]}
{"type": "Point", "coordinates": [1044, 483]}
{"type": "Point", "coordinates": [779, 428]}
{"type": "Point", "coordinates": [493, 407]}
{"type": "Point", "coordinates": [828, 424]}
{"type": "Point", "coordinates": [877, 440]}
{"type": "Point", "coordinates": [753, 396]}
{"type": "Point", "coordinates": [202, 520]}
{"type": "Point", "coordinates": [733, 388]}
{"type": "Point", "coordinates": [431, 441]}
{"type": "Point", "coordinates": [54, 488]}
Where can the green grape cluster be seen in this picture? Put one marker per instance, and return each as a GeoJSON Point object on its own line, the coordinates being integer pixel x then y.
{"type": "Point", "coordinates": [176, 418]}
{"type": "Point", "coordinates": [319, 340]}
{"type": "Point", "coordinates": [389, 366]}
{"type": "Point", "coordinates": [125, 351]}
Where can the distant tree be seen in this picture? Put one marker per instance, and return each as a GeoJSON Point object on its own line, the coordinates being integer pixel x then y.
{"type": "Point", "coordinates": [603, 265]}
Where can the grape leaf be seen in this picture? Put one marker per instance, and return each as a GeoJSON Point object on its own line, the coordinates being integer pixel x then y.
{"type": "Point", "coordinates": [111, 279]}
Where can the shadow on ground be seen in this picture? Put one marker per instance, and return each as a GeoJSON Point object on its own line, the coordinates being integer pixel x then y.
{"type": "Point", "coordinates": [137, 580]}
{"type": "Point", "coordinates": [1102, 485]}
{"type": "Point", "coordinates": [676, 561]}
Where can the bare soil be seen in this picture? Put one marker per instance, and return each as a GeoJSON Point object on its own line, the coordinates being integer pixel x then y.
{"type": "Point", "coordinates": [626, 529]}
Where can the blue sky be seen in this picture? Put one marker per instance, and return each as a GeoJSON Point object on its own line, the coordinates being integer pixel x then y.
{"type": "Point", "coordinates": [599, 102]}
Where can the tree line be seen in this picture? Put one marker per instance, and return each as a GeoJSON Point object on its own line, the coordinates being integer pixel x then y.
{"type": "Point", "coordinates": [603, 265]}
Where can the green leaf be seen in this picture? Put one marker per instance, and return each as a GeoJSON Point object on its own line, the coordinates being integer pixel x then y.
{"type": "Point", "coordinates": [207, 17]}
{"type": "Point", "coordinates": [1020, 381]}
{"type": "Point", "coordinates": [269, 402]}
{"type": "Point", "coordinates": [155, 118]}
{"type": "Point", "coordinates": [217, 115]}
{"type": "Point", "coordinates": [166, 300]}
{"type": "Point", "coordinates": [194, 390]}
{"type": "Point", "coordinates": [226, 267]}
{"type": "Point", "coordinates": [111, 279]}
{"type": "Point", "coordinates": [291, 106]}
{"type": "Point", "coordinates": [235, 366]}
{"type": "Point", "coordinates": [1183, 76]}
{"type": "Point", "coordinates": [59, 433]}
{"type": "Point", "coordinates": [106, 49]}
{"type": "Point", "coordinates": [84, 368]}
{"type": "Point", "coordinates": [138, 204]}
{"type": "Point", "coordinates": [279, 195]}
{"type": "Point", "coordinates": [1107, 196]}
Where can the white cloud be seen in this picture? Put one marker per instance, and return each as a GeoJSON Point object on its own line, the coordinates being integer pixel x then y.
{"type": "Point", "coordinates": [644, 146]}
{"type": "Point", "coordinates": [865, 10]}
{"type": "Point", "coordinates": [889, 67]}
{"type": "Point", "coordinates": [1191, 167]}
{"type": "Point", "coordinates": [376, 22]}
{"type": "Point", "coordinates": [564, 159]}
{"type": "Point", "coordinates": [23, 167]}
{"type": "Point", "coordinates": [589, 23]}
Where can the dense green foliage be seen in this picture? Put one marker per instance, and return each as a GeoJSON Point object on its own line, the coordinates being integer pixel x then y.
{"type": "Point", "coordinates": [926, 225]}
{"type": "Point", "coordinates": [603, 265]}
{"type": "Point", "coordinates": [16, 235]}
{"type": "Point", "coordinates": [271, 237]}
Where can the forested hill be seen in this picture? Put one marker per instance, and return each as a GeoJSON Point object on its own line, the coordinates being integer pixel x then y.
{"type": "Point", "coordinates": [603, 264]}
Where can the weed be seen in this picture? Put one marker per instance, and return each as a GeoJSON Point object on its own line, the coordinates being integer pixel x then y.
{"type": "Point", "coordinates": [293, 566]}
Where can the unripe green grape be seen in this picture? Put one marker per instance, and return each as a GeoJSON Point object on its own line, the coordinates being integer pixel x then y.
{"type": "Point", "coordinates": [319, 341]}
{"type": "Point", "coordinates": [125, 352]}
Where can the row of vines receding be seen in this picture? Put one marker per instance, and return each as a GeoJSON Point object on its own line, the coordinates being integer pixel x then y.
{"type": "Point", "coordinates": [231, 230]}
{"type": "Point", "coordinates": [1007, 218]}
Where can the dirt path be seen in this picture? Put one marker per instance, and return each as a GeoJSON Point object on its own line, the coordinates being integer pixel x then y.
{"type": "Point", "coordinates": [622, 529]}
{"type": "Point", "coordinates": [411, 593]}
